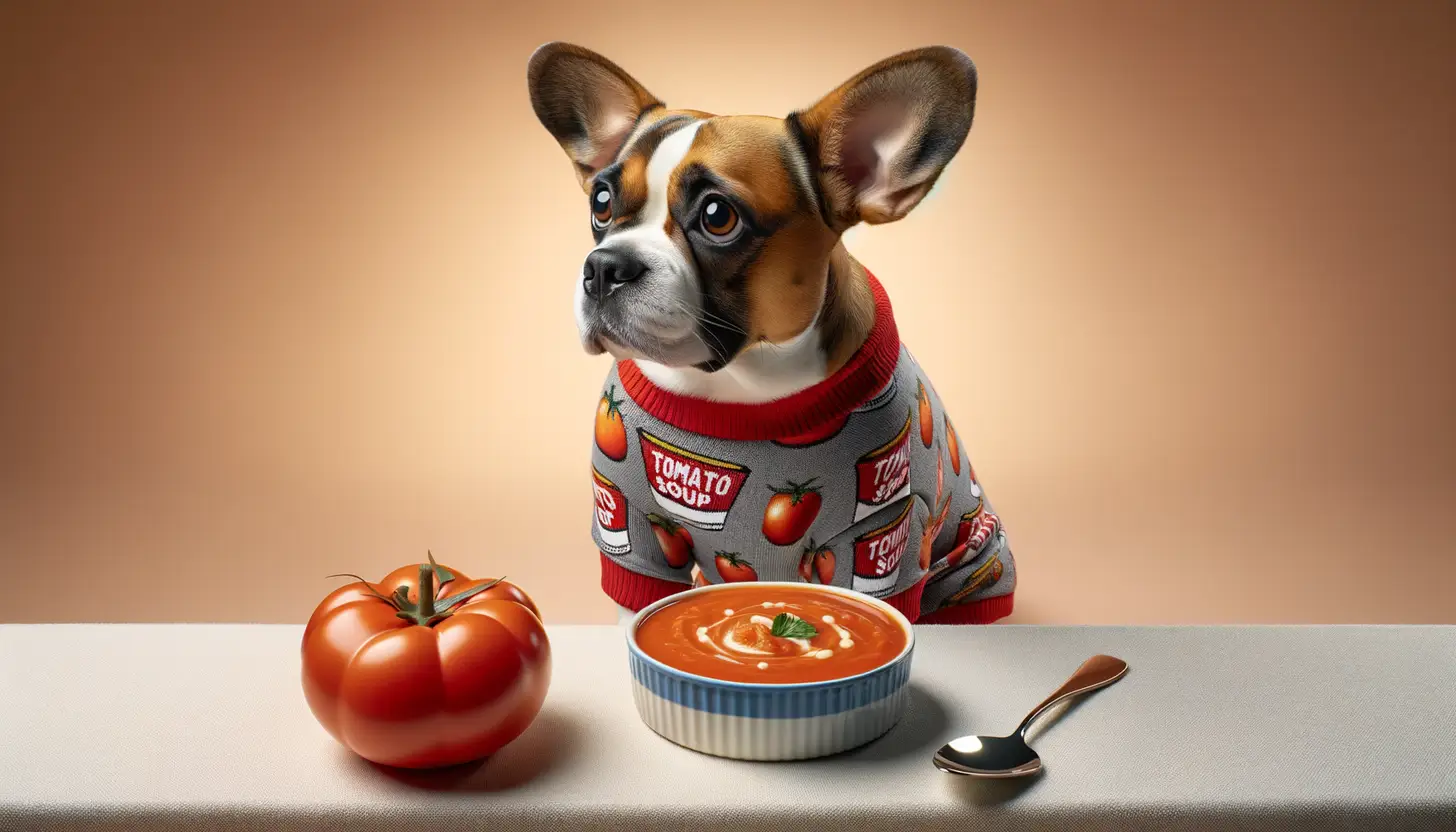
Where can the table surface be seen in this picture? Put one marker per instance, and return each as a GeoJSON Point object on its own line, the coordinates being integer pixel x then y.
{"type": "Point", "coordinates": [205, 726]}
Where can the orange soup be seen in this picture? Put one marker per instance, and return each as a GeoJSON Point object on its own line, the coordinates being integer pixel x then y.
{"type": "Point", "coordinates": [771, 635]}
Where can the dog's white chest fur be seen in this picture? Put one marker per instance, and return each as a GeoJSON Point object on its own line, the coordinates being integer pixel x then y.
{"type": "Point", "coordinates": [760, 373]}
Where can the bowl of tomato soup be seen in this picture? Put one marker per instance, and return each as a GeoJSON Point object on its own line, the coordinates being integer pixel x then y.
{"type": "Point", "coordinates": [769, 670]}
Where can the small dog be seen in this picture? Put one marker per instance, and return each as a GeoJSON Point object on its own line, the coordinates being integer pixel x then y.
{"type": "Point", "coordinates": [762, 420]}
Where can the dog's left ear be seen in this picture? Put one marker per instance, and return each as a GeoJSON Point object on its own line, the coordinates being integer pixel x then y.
{"type": "Point", "coordinates": [883, 137]}
{"type": "Point", "coordinates": [588, 103]}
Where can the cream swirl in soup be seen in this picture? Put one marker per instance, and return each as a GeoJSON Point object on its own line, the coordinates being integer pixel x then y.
{"type": "Point", "coordinates": [771, 635]}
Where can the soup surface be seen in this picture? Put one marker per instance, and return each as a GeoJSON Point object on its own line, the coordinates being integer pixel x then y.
{"type": "Point", "coordinates": [771, 635]}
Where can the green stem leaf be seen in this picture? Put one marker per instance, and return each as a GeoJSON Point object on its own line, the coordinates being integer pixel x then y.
{"type": "Point", "coordinates": [442, 575]}
{"type": "Point", "coordinates": [614, 405]}
{"type": "Point", "coordinates": [447, 604]}
{"type": "Point", "coordinates": [367, 586]}
{"type": "Point", "coordinates": [796, 491]}
{"type": "Point", "coordinates": [401, 598]}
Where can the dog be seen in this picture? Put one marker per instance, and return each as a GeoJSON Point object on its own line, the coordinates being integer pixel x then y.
{"type": "Point", "coordinates": [762, 419]}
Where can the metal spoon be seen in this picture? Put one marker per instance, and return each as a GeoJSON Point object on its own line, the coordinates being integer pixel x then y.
{"type": "Point", "coordinates": [1011, 756]}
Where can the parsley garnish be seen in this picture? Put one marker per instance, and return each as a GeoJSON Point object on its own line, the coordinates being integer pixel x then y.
{"type": "Point", "coordinates": [792, 626]}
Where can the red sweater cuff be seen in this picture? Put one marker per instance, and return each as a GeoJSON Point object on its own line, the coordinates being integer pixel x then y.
{"type": "Point", "coordinates": [908, 602]}
{"type": "Point", "coordinates": [981, 612]}
{"type": "Point", "coordinates": [635, 591]}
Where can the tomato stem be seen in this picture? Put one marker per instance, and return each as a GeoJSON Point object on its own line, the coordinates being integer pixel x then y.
{"type": "Point", "coordinates": [423, 610]}
{"type": "Point", "coordinates": [426, 610]}
{"type": "Point", "coordinates": [796, 491]}
{"type": "Point", "coordinates": [426, 605]}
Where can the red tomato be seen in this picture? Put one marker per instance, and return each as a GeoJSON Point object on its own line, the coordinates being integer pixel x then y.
{"type": "Point", "coordinates": [927, 417]}
{"type": "Point", "coordinates": [806, 566]}
{"type": "Point", "coordinates": [790, 512]}
{"type": "Point", "coordinates": [817, 561]}
{"type": "Point", "coordinates": [611, 431]}
{"type": "Point", "coordinates": [676, 543]}
{"type": "Point", "coordinates": [824, 564]}
{"type": "Point", "coordinates": [422, 685]}
{"type": "Point", "coordinates": [733, 568]}
{"type": "Point", "coordinates": [699, 579]}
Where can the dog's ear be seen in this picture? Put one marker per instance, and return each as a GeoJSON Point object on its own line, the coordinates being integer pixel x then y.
{"type": "Point", "coordinates": [883, 137]}
{"type": "Point", "coordinates": [587, 102]}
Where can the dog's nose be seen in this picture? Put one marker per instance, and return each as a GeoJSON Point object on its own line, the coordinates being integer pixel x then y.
{"type": "Point", "coordinates": [606, 269]}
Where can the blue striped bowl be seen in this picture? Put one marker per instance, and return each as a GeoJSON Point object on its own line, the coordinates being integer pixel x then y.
{"type": "Point", "coordinates": [750, 721]}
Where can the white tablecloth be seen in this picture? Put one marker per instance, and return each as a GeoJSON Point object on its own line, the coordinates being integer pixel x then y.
{"type": "Point", "coordinates": [204, 727]}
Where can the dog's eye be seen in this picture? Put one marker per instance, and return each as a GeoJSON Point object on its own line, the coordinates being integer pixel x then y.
{"type": "Point", "coordinates": [601, 205]}
{"type": "Point", "coordinates": [719, 218]}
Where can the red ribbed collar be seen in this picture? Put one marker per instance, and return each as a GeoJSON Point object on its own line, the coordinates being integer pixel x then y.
{"type": "Point", "coordinates": [866, 373]}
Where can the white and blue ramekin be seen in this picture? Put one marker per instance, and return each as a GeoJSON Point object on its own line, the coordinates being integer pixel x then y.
{"type": "Point", "coordinates": [758, 721]}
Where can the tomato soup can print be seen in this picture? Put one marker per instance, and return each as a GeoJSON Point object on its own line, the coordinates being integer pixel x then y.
{"type": "Point", "coordinates": [697, 489]}
{"type": "Point", "coordinates": [611, 515]}
{"type": "Point", "coordinates": [877, 555]}
{"type": "Point", "coordinates": [882, 476]}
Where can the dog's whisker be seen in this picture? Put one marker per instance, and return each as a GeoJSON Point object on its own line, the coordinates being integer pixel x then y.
{"type": "Point", "coordinates": [720, 321]}
{"type": "Point", "coordinates": [703, 316]}
{"type": "Point", "coordinates": [721, 350]}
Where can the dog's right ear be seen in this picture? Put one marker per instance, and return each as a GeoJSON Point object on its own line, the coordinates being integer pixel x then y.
{"type": "Point", "coordinates": [587, 102]}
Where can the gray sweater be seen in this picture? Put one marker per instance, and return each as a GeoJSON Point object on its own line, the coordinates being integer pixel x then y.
{"type": "Point", "coordinates": [860, 482]}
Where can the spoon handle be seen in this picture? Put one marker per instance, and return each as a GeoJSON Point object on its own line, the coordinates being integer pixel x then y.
{"type": "Point", "coordinates": [1097, 672]}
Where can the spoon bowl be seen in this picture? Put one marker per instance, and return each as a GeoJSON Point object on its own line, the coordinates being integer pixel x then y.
{"type": "Point", "coordinates": [988, 757]}
{"type": "Point", "coordinates": [1000, 757]}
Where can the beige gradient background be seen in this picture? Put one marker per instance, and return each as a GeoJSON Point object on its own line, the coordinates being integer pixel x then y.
{"type": "Point", "coordinates": [286, 292]}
